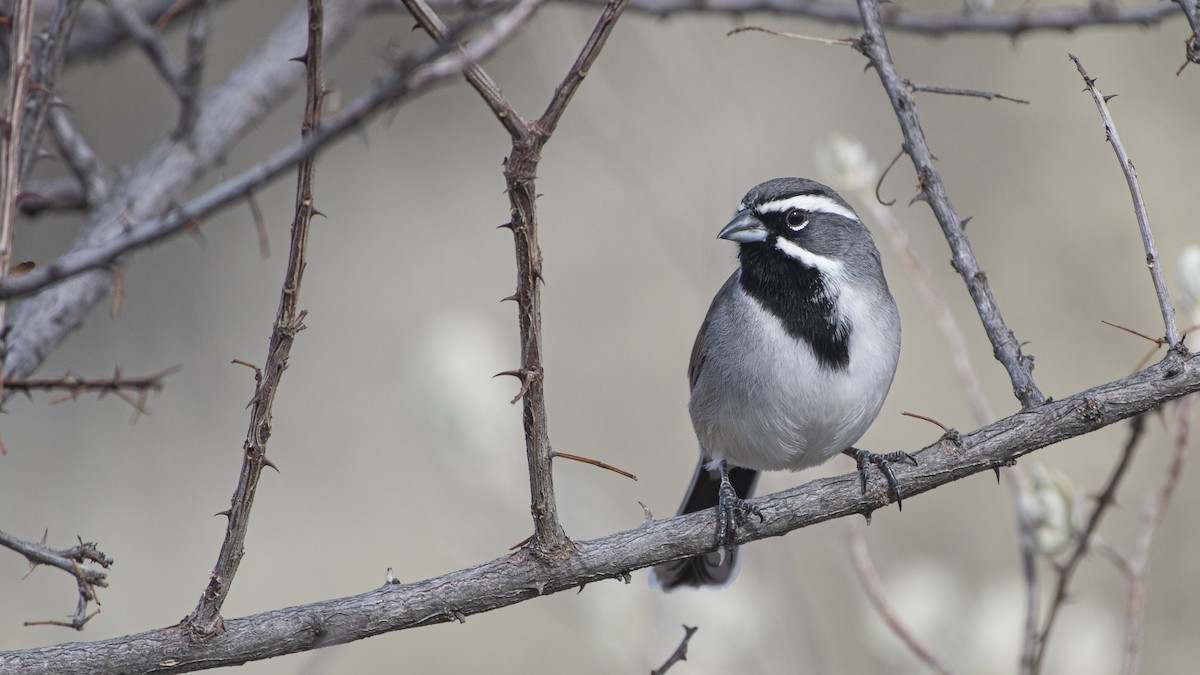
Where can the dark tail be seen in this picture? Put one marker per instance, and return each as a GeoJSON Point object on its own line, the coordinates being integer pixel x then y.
{"type": "Point", "coordinates": [707, 569]}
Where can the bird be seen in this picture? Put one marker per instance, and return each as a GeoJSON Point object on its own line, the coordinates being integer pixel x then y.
{"type": "Point", "coordinates": [792, 363]}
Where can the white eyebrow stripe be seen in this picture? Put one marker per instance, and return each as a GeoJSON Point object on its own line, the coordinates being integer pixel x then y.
{"type": "Point", "coordinates": [811, 203]}
{"type": "Point", "coordinates": [830, 267]}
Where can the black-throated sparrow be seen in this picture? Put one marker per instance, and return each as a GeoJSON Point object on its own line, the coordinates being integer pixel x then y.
{"type": "Point", "coordinates": [792, 362]}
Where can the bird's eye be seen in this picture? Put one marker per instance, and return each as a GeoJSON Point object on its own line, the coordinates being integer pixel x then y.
{"type": "Point", "coordinates": [796, 219]}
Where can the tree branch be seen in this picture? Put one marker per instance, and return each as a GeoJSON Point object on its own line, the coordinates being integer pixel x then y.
{"type": "Point", "coordinates": [894, 16]}
{"type": "Point", "coordinates": [1007, 349]}
{"type": "Point", "coordinates": [20, 38]}
{"type": "Point", "coordinates": [523, 576]}
{"type": "Point", "coordinates": [1139, 209]}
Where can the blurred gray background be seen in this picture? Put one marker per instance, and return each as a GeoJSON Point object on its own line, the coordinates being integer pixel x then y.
{"type": "Point", "coordinates": [397, 449]}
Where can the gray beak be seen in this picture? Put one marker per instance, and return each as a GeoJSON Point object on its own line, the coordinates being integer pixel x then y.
{"type": "Point", "coordinates": [745, 228]}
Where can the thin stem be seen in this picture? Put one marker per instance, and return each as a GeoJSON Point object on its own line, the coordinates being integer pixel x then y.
{"type": "Point", "coordinates": [1139, 208]}
{"type": "Point", "coordinates": [878, 597]}
{"type": "Point", "coordinates": [21, 61]}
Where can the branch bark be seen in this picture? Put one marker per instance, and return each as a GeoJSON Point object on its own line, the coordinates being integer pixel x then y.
{"type": "Point", "coordinates": [522, 576]}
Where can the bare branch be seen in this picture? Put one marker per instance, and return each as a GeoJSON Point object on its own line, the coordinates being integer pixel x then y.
{"type": "Point", "coordinates": [74, 385]}
{"type": "Point", "coordinates": [523, 576]}
{"type": "Point", "coordinates": [1004, 342]}
{"type": "Point", "coordinates": [192, 75]}
{"type": "Point", "coordinates": [21, 32]}
{"type": "Point", "coordinates": [680, 653]}
{"type": "Point", "coordinates": [1107, 497]}
{"type": "Point", "coordinates": [205, 620]}
{"type": "Point", "coordinates": [72, 561]}
{"type": "Point", "coordinates": [52, 50]}
{"type": "Point", "coordinates": [1139, 209]}
{"type": "Point", "coordinates": [475, 75]}
{"type": "Point", "coordinates": [148, 40]}
{"type": "Point", "coordinates": [953, 91]}
{"type": "Point", "coordinates": [1148, 520]}
{"type": "Point", "coordinates": [865, 569]}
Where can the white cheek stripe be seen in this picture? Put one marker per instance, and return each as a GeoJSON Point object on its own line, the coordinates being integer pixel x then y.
{"type": "Point", "coordinates": [830, 267]}
{"type": "Point", "coordinates": [811, 203]}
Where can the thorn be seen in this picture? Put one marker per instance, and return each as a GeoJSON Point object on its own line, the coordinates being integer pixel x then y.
{"type": "Point", "coordinates": [303, 58]}
{"type": "Point", "coordinates": [997, 470]}
{"type": "Point", "coordinates": [267, 462]}
{"type": "Point", "coordinates": [317, 212]}
{"type": "Point", "coordinates": [508, 225]}
{"type": "Point", "coordinates": [511, 373]}
{"type": "Point", "coordinates": [507, 298]}
{"type": "Point", "coordinates": [1109, 96]}
{"type": "Point", "coordinates": [963, 223]}
{"type": "Point", "coordinates": [228, 513]}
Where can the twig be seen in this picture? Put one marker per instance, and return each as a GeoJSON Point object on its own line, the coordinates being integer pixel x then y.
{"type": "Point", "coordinates": [1107, 497]}
{"type": "Point", "coordinates": [520, 171]}
{"type": "Point", "coordinates": [73, 386]}
{"type": "Point", "coordinates": [879, 600]}
{"type": "Point", "coordinates": [55, 195]}
{"type": "Point", "coordinates": [954, 91]}
{"type": "Point", "coordinates": [593, 462]}
{"type": "Point", "coordinates": [21, 31]}
{"type": "Point", "coordinates": [1191, 46]}
{"type": "Point", "coordinates": [70, 560]}
{"type": "Point", "coordinates": [148, 40]}
{"type": "Point", "coordinates": [192, 74]}
{"type": "Point", "coordinates": [205, 620]}
{"type": "Point", "coordinates": [474, 74]}
{"type": "Point", "coordinates": [1148, 520]}
{"type": "Point", "coordinates": [1004, 342]}
{"type": "Point", "coordinates": [680, 653]}
{"type": "Point", "coordinates": [849, 42]}
{"type": "Point", "coordinates": [1139, 208]}
{"type": "Point", "coordinates": [52, 49]}
{"type": "Point", "coordinates": [79, 156]}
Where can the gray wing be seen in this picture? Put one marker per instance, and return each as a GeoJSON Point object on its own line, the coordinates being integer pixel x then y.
{"type": "Point", "coordinates": [700, 347]}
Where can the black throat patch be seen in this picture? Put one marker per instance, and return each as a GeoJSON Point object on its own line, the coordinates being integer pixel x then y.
{"type": "Point", "coordinates": [796, 294]}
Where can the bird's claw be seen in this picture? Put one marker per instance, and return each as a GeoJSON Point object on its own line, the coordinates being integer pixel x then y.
{"type": "Point", "coordinates": [884, 463]}
{"type": "Point", "coordinates": [732, 512]}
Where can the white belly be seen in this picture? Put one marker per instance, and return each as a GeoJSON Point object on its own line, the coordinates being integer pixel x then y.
{"type": "Point", "coordinates": [782, 409]}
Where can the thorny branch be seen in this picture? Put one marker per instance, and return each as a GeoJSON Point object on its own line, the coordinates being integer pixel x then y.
{"type": "Point", "coordinates": [520, 171]}
{"type": "Point", "coordinates": [1139, 209]}
{"type": "Point", "coordinates": [205, 620]}
{"type": "Point", "coordinates": [1007, 349]}
{"type": "Point", "coordinates": [680, 653]}
{"type": "Point", "coordinates": [972, 19]}
{"type": "Point", "coordinates": [21, 32]}
{"type": "Point", "coordinates": [75, 561]}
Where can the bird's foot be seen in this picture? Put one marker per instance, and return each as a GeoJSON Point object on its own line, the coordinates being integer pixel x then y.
{"type": "Point", "coordinates": [884, 463]}
{"type": "Point", "coordinates": [732, 512]}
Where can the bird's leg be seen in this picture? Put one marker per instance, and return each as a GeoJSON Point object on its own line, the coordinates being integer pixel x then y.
{"type": "Point", "coordinates": [732, 511]}
{"type": "Point", "coordinates": [884, 462]}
